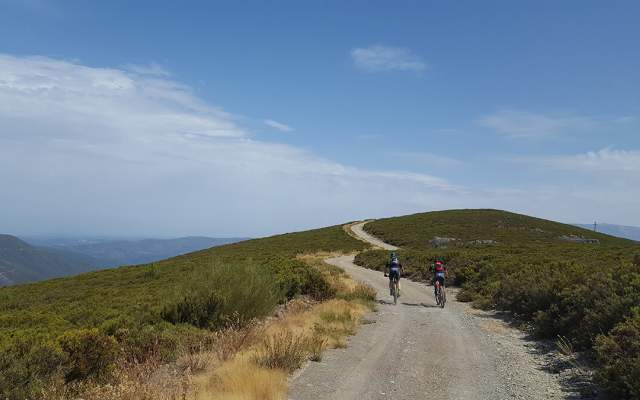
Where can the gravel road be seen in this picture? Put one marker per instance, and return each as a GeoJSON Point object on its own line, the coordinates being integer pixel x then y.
{"type": "Point", "coordinates": [415, 350]}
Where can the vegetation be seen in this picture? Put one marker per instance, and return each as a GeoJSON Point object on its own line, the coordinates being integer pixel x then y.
{"type": "Point", "coordinates": [584, 292]}
{"type": "Point", "coordinates": [80, 328]}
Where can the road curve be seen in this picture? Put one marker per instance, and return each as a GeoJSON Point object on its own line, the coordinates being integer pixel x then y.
{"type": "Point", "coordinates": [358, 230]}
{"type": "Point", "coordinates": [416, 350]}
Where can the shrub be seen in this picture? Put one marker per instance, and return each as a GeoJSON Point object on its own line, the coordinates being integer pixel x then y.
{"type": "Point", "coordinates": [26, 364]}
{"type": "Point", "coordinates": [90, 354]}
{"type": "Point", "coordinates": [362, 292]}
{"type": "Point", "coordinates": [636, 260]}
{"type": "Point", "coordinates": [295, 277]}
{"type": "Point", "coordinates": [619, 355]}
{"type": "Point", "coordinates": [201, 309]}
{"type": "Point", "coordinates": [223, 295]}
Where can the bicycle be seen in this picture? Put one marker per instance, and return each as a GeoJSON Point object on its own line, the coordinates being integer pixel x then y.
{"type": "Point", "coordinates": [395, 287]}
{"type": "Point", "coordinates": [441, 295]}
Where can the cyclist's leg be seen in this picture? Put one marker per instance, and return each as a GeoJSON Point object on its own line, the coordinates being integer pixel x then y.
{"type": "Point", "coordinates": [440, 280]}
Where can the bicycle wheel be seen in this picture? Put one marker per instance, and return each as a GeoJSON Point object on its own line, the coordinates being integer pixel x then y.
{"type": "Point", "coordinates": [444, 297]}
{"type": "Point", "coordinates": [395, 292]}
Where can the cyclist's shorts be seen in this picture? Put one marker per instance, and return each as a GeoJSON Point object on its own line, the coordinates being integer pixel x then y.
{"type": "Point", "coordinates": [394, 273]}
{"type": "Point", "coordinates": [440, 278]}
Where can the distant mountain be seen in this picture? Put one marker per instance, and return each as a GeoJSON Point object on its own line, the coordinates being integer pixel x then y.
{"type": "Point", "coordinates": [111, 253]}
{"type": "Point", "coordinates": [21, 262]}
{"type": "Point", "coordinates": [627, 232]}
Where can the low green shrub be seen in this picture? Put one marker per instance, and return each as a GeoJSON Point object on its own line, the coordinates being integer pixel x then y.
{"type": "Point", "coordinates": [202, 309]}
{"type": "Point", "coordinates": [26, 364]}
{"type": "Point", "coordinates": [619, 356]}
{"type": "Point", "coordinates": [224, 294]}
{"type": "Point", "coordinates": [295, 277]}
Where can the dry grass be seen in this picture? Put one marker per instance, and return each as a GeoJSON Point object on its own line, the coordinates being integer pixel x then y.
{"type": "Point", "coordinates": [145, 381]}
{"type": "Point", "coordinates": [242, 379]}
{"type": "Point", "coordinates": [285, 351]}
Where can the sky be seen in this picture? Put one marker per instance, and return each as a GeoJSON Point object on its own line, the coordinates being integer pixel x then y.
{"type": "Point", "coordinates": [249, 118]}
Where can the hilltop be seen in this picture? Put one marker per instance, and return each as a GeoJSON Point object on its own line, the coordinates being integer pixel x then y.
{"type": "Point", "coordinates": [415, 231]}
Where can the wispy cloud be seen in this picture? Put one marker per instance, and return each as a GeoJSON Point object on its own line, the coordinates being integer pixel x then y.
{"type": "Point", "coordinates": [143, 154]}
{"type": "Point", "coordinates": [151, 69]}
{"type": "Point", "coordinates": [386, 58]}
{"type": "Point", "coordinates": [524, 124]}
{"type": "Point", "coordinates": [602, 161]}
{"type": "Point", "coordinates": [278, 125]}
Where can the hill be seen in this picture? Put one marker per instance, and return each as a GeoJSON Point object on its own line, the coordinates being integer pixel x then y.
{"type": "Point", "coordinates": [415, 231]}
{"type": "Point", "coordinates": [151, 310]}
{"type": "Point", "coordinates": [559, 281]}
{"type": "Point", "coordinates": [622, 231]}
{"type": "Point", "coordinates": [111, 253]}
{"type": "Point", "coordinates": [20, 262]}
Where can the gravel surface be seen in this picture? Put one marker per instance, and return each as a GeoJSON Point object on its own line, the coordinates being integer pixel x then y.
{"type": "Point", "coordinates": [416, 350]}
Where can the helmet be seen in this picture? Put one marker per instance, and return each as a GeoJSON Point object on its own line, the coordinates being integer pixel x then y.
{"type": "Point", "coordinates": [392, 255]}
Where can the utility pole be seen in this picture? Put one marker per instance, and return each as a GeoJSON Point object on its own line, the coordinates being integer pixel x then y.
{"type": "Point", "coordinates": [595, 226]}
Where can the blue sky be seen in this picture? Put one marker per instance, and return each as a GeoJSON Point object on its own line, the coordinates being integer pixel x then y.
{"type": "Point", "coordinates": [289, 115]}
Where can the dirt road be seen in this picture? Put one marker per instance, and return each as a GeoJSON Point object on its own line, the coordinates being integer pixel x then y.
{"type": "Point", "coordinates": [416, 350]}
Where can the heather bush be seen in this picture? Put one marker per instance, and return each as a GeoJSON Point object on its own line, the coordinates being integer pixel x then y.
{"type": "Point", "coordinates": [619, 355]}
{"type": "Point", "coordinates": [89, 354]}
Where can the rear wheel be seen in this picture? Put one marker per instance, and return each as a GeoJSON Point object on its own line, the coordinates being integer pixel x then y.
{"type": "Point", "coordinates": [395, 291]}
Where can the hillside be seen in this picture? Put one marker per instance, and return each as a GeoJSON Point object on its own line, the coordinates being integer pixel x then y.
{"type": "Point", "coordinates": [153, 308]}
{"type": "Point", "coordinates": [112, 253]}
{"type": "Point", "coordinates": [415, 231]}
{"type": "Point", "coordinates": [585, 292]}
{"type": "Point", "coordinates": [21, 262]}
{"type": "Point", "coordinates": [622, 231]}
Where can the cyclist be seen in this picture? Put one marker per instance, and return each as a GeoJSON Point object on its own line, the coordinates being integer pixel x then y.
{"type": "Point", "coordinates": [439, 274]}
{"type": "Point", "coordinates": [393, 269]}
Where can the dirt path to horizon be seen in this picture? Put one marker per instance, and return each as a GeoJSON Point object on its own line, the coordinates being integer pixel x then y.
{"type": "Point", "coordinates": [415, 350]}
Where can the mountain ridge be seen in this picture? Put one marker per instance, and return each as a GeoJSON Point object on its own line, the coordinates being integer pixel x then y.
{"type": "Point", "coordinates": [622, 231]}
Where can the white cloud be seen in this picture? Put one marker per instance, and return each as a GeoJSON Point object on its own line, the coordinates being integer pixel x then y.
{"type": "Point", "coordinates": [524, 124]}
{"type": "Point", "coordinates": [601, 161]}
{"type": "Point", "coordinates": [385, 58]}
{"type": "Point", "coordinates": [278, 125]}
{"type": "Point", "coordinates": [110, 151]}
{"type": "Point", "coordinates": [103, 150]}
